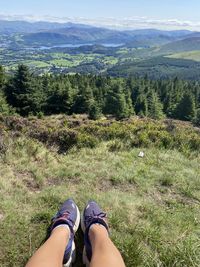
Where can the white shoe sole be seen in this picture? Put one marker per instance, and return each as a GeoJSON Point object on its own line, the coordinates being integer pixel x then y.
{"type": "Point", "coordinates": [73, 252]}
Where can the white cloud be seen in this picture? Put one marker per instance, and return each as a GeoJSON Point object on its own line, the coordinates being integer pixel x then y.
{"type": "Point", "coordinates": [125, 23]}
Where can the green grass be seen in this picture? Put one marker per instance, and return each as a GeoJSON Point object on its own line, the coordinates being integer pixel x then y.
{"type": "Point", "coordinates": [152, 202]}
{"type": "Point", "coordinates": [110, 60]}
{"type": "Point", "coordinates": [36, 63]}
{"type": "Point", "coordinates": [30, 64]}
{"type": "Point", "coordinates": [192, 55]}
{"type": "Point", "coordinates": [60, 55]}
{"type": "Point", "coordinates": [66, 60]}
{"type": "Point", "coordinates": [62, 63]}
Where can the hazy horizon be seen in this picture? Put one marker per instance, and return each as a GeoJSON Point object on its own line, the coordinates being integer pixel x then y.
{"type": "Point", "coordinates": [168, 15]}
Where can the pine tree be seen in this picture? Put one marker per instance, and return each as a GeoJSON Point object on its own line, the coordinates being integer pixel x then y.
{"type": "Point", "coordinates": [19, 91]}
{"type": "Point", "coordinates": [2, 78]}
{"type": "Point", "coordinates": [129, 103]}
{"type": "Point", "coordinates": [141, 106]}
{"type": "Point", "coordinates": [174, 93]}
{"type": "Point", "coordinates": [55, 100]}
{"type": "Point", "coordinates": [155, 107]}
{"type": "Point", "coordinates": [197, 117]}
{"type": "Point", "coordinates": [116, 102]}
{"type": "Point", "coordinates": [185, 109]}
{"type": "Point", "coordinates": [83, 99]}
{"type": "Point", "coordinates": [69, 95]}
{"type": "Point", "coordinates": [5, 109]}
{"type": "Point", "coordinates": [94, 110]}
{"type": "Point", "coordinates": [60, 98]}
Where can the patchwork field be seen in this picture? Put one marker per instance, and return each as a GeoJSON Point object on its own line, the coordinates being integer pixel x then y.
{"type": "Point", "coordinates": [49, 61]}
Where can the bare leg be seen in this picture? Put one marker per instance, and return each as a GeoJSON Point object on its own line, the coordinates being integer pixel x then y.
{"type": "Point", "coordinates": [104, 252]}
{"type": "Point", "coordinates": [51, 253]}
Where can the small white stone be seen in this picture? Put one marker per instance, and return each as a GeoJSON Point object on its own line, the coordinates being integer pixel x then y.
{"type": "Point", "coordinates": [141, 154]}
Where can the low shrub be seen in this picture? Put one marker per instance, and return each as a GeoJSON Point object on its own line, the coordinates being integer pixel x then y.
{"type": "Point", "coordinates": [85, 140]}
{"type": "Point", "coordinates": [115, 146]}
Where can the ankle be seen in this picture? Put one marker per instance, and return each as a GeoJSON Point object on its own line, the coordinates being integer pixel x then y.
{"type": "Point", "coordinates": [98, 230]}
{"type": "Point", "coordinates": [62, 229]}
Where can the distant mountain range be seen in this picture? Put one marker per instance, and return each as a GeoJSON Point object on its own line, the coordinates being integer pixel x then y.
{"type": "Point", "coordinates": [9, 27]}
{"type": "Point", "coordinates": [49, 33]}
{"type": "Point", "coordinates": [49, 47]}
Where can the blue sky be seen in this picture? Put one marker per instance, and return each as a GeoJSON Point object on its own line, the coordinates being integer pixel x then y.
{"type": "Point", "coordinates": [180, 10]}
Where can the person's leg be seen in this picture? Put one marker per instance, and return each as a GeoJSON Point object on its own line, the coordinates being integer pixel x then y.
{"type": "Point", "coordinates": [104, 252]}
{"type": "Point", "coordinates": [59, 249]}
{"type": "Point", "coordinates": [51, 253]}
{"type": "Point", "coordinates": [99, 249]}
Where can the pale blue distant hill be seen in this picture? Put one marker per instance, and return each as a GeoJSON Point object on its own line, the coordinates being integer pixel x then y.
{"type": "Point", "coordinates": [49, 33]}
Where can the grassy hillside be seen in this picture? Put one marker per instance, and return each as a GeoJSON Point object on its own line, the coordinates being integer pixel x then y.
{"type": "Point", "coordinates": [187, 44]}
{"type": "Point", "coordinates": [191, 55]}
{"type": "Point", "coordinates": [191, 44]}
{"type": "Point", "coordinates": [158, 68]}
{"type": "Point", "coordinates": [153, 202]}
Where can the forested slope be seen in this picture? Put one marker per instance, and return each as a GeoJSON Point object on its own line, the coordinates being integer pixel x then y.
{"type": "Point", "coordinates": [27, 94]}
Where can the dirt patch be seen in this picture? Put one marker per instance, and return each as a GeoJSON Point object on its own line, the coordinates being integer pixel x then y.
{"type": "Point", "coordinates": [28, 180]}
{"type": "Point", "coordinates": [170, 196]}
{"type": "Point", "coordinates": [31, 185]}
{"type": "Point", "coordinates": [56, 181]}
{"type": "Point", "coordinates": [104, 185]}
{"type": "Point", "coordinates": [1, 216]}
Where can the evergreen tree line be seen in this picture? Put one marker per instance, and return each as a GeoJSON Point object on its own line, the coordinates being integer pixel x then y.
{"type": "Point", "coordinates": [26, 94]}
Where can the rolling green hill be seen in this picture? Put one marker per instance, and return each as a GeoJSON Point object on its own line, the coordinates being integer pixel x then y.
{"type": "Point", "coordinates": [180, 46]}
{"type": "Point", "coordinates": [180, 58]}
{"type": "Point", "coordinates": [191, 55]}
{"type": "Point", "coordinates": [153, 202]}
{"type": "Point", "coordinates": [188, 44]}
{"type": "Point", "coordinates": [158, 68]}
